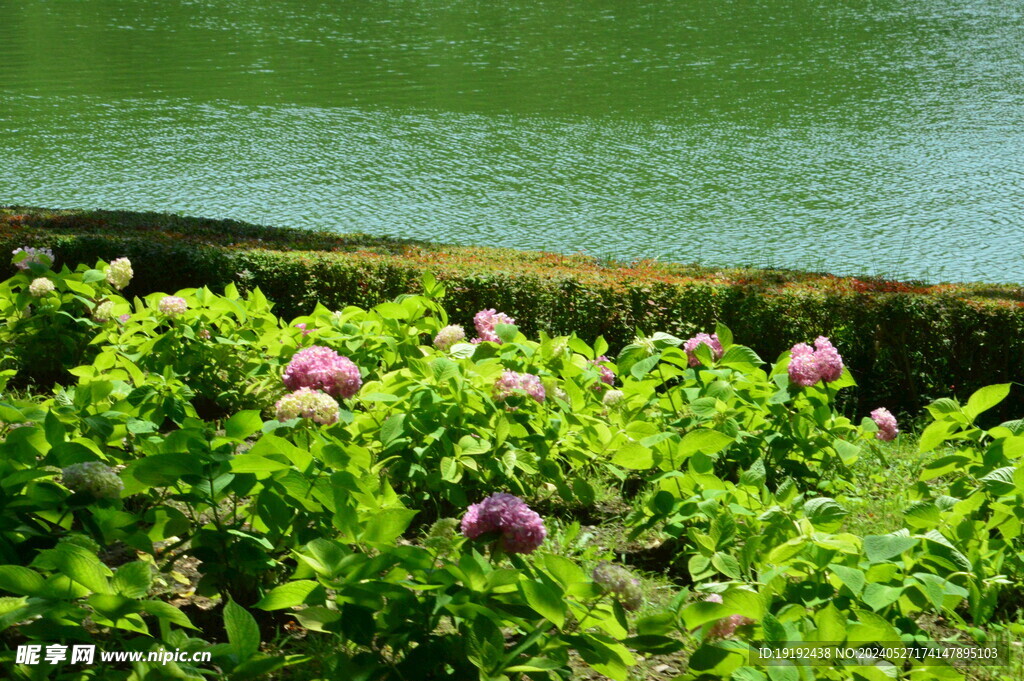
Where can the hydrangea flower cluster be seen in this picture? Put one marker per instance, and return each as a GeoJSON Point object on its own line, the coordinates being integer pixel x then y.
{"type": "Point", "coordinates": [172, 306]}
{"type": "Point", "coordinates": [449, 336]}
{"type": "Point", "coordinates": [727, 626]}
{"type": "Point", "coordinates": [104, 312]}
{"type": "Point", "coordinates": [522, 530]}
{"type": "Point", "coordinates": [809, 365]}
{"type": "Point", "coordinates": [120, 273]}
{"type": "Point", "coordinates": [40, 287]}
{"type": "Point", "coordinates": [485, 321]}
{"type": "Point", "coordinates": [204, 334]}
{"type": "Point", "coordinates": [321, 368]}
{"type": "Point", "coordinates": [606, 375]}
{"type": "Point", "coordinates": [617, 580]}
{"type": "Point", "coordinates": [41, 256]}
{"type": "Point", "coordinates": [714, 345]}
{"type": "Point", "coordinates": [888, 429]}
{"type": "Point", "coordinates": [93, 477]}
{"type": "Point", "coordinates": [308, 404]}
{"type": "Point", "coordinates": [612, 398]}
{"type": "Point", "coordinates": [512, 382]}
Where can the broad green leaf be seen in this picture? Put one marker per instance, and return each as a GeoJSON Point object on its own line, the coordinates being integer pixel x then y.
{"type": "Point", "coordinates": [852, 578]}
{"type": "Point", "coordinates": [243, 632]}
{"type": "Point", "coordinates": [133, 579]}
{"type": "Point", "coordinates": [831, 624]}
{"type": "Point", "coordinates": [20, 580]}
{"type": "Point", "coordinates": [387, 525]}
{"type": "Point", "coordinates": [825, 513]}
{"type": "Point", "coordinates": [243, 424]}
{"type": "Point", "coordinates": [882, 548]}
{"type": "Point", "coordinates": [705, 441]}
{"type": "Point", "coordinates": [82, 566]}
{"type": "Point", "coordinates": [635, 456]}
{"type": "Point", "coordinates": [288, 595]}
{"type": "Point", "coordinates": [545, 600]}
{"type": "Point", "coordinates": [986, 398]}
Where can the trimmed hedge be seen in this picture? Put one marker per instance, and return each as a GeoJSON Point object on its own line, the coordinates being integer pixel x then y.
{"type": "Point", "coordinates": [906, 343]}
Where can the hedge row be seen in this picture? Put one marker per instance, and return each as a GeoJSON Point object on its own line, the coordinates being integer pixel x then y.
{"type": "Point", "coordinates": [906, 343]}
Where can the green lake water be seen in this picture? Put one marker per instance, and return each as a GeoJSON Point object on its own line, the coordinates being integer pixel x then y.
{"type": "Point", "coordinates": [858, 136]}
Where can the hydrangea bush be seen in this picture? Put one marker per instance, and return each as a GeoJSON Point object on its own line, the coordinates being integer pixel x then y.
{"type": "Point", "coordinates": [298, 463]}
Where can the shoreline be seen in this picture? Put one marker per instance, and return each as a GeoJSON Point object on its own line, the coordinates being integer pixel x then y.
{"type": "Point", "coordinates": [236, 235]}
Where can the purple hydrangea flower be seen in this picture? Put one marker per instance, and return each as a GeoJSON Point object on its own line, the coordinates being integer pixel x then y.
{"type": "Point", "coordinates": [522, 530]}
{"type": "Point", "coordinates": [449, 336]}
{"type": "Point", "coordinates": [714, 345]}
{"type": "Point", "coordinates": [486, 320]}
{"type": "Point", "coordinates": [512, 382]}
{"type": "Point", "coordinates": [321, 368]}
{"type": "Point", "coordinates": [888, 429]}
{"type": "Point", "coordinates": [309, 404]}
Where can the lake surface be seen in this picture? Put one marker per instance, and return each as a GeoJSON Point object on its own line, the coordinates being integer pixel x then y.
{"type": "Point", "coordinates": [858, 136]}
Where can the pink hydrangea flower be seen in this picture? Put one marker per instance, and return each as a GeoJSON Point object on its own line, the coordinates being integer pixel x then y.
{"type": "Point", "coordinates": [803, 370]}
{"type": "Point", "coordinates": [888, 429]}
{"type": "Point", "coordinates": [512, 382]}
{"type": "Point", "coordinates": [522, 530]}
{"type": "Point", "coordinates": [605, 374]}
{"type": "Point", "coordinates": [727, 626]}
{"type": "Point", "coordinates": [807, 366]}
{"type": "Point", "coordinates": [714, 345]}
{"type": "Point", "coordinates": [302, 327]}
{"type": "Point", "coordinates": [321, 368]}
{"type": "Point", "coordinates": [449, 336]}
{"type": "Point", "coordinates": [486, 320]}
{"type": "Point", "coordinates": [309, 404]}
{"type": "Point", "coordinates": [172, 306]}
{"type": "Point", "coordinates": [830, 364]}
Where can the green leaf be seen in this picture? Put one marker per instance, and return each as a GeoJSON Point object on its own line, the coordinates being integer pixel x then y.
{"type": "Point", "coordinates": [935, 434]}
{"type": "Point", "coordinates": [133, 579]}
{"type": "Point", "coordinates": [740, 357]}
{"type": "Point", "coordinates": [986, 398]}
{"type": "Point", "coordinates": [82, 566]}
{"type": "Point", "coordinates": [831, 624]}
{"type": "Point", "coordinates": [543, 598]}
{"type": "Point", "coordinates": [243, 424]}
{"type": "Point", "coordinates": [724, 335]}
{"type": "Point", "coordinates": [392, 429]}
{"type": "Point", "coordinates": [726, 564]}
{"type": "Point", "coordinates": [644, 366]}
{"type": "Point", "coordinates": [705, 441]}
{"type": "Point", "coordinates": [506, 332]}
{"type": "Point", "coordinates": [882, 548]}
{"type": "Point", "coordinates": [879, 596]}
{"type": "Point", "coordinates": [853, 578]}
{"type": "Point", "coordinates": [825, 513]}
{"type": "Point", "coordinates": [20, 580]}
{"type": "Point", "coordinates": [288, 595]}
{"type": "Point", "coordinates": [635, 456]}
{"type": "Point", "coordinates": [166, 611]}
{"type": "Point", "coordinates": [1000, 481]}
{"type": "Point", "coordinates": [387, 525]}
{"type": "Point", "coordinates": [243, 632]}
